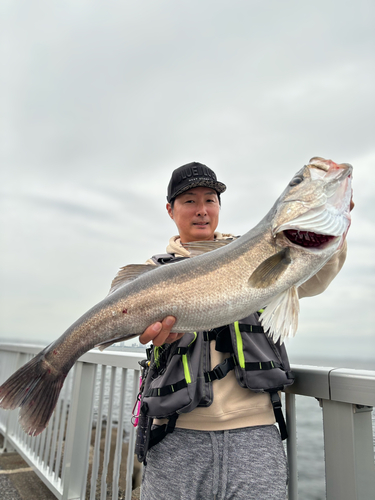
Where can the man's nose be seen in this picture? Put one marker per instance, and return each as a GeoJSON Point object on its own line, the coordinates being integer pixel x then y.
{"type": "Point", "coordinates": [201, 210]}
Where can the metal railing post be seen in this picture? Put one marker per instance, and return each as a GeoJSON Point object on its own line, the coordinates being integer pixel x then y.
{"type": "Point", "coordinates": [130, 461]}
{"type": "Point", "coordinates": [291, 423]}
{"type": "Point", "coordinates": [11, 417]}
{"type": "Point", "coordinates": [78, 433]}
{"type": "Point", "coordinates": [349, 455]}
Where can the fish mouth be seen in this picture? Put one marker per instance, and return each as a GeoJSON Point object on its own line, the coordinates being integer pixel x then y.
{"type": "Point", "coordinates": [308, 239]}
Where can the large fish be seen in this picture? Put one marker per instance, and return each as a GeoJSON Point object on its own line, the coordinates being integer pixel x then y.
{"type": "Point", "coordinates": [302, 231]}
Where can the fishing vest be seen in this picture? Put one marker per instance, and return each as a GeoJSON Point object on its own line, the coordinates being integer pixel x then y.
{"type": "Point", "coordinates": [177, 377]}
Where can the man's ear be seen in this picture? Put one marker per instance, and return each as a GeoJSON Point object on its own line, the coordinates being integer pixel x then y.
{"type": "Point", "coordinates": [169, 210]}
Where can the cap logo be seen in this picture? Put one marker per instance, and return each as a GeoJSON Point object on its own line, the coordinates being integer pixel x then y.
{"type": "Point", "coordinates": [197, 171]}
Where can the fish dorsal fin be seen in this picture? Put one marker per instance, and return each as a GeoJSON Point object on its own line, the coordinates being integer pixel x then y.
{"type": "Point", "coordinates": [199, 247]}
{"type": "Point", "coordinates": [280, 316]}
{"type": "Point", "coordinates": [270, 270]}
{"type": "Point", "coordinates": [129, 273]}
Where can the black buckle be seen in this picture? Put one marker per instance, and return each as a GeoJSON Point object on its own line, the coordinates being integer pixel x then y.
{"type": "Point", "coordinates": [276, 401]}
{"type": "Point", "coordinates": [223, 368]}
{"type": "Point", "coordinates": [219, 372]}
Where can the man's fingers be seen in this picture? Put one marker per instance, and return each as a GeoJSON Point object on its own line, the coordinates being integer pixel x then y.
{"type": "Point", "coordinates": [165, 331]}
{"type": "Point", "coordinates": [158, 332]}
{"type": "Point", "coordinates": [168, 322]}
{"type": "Point", "coordinates": [150, 333]}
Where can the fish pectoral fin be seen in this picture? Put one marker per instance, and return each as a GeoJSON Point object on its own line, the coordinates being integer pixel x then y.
{"type": "Point", "coordinates": [270, 270]}
{"type": "Point", "coordinates": [280, 317]}
{"type": "Point", "coordinates": [200, 247]}
{"type": "Point", "coordinates": [129, 273]}
{"type": "Point", "coordinates": [108, 343]}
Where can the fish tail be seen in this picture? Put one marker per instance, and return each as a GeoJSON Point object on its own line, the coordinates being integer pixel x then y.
{"type": "Point", "coordinates": [35, 387]}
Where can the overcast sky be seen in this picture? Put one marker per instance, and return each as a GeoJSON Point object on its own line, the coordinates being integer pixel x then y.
{"type": "Point", "coordinates": [101, 100]}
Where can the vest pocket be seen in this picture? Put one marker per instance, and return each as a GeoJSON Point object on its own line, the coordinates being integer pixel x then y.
{"type": "Point", "coordinates": [262, 364]}
{"type": "Point", "coordinates": [177, 387]}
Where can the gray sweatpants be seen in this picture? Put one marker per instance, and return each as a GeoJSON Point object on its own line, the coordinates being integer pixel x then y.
{"type": "Point", "coordinates": [240, 464]}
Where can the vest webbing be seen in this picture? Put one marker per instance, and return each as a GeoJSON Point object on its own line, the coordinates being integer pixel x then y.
{"type": "Point", "coordinates": [279, 416]}
{"type": "Point", "coordinates": [167, 389]}
{"type": "Point", "coordinates": [221, 370]}
{"type": "Point", "coordinates": [262, 365]}
{"type": "Point", "coordinates": [212, 334]}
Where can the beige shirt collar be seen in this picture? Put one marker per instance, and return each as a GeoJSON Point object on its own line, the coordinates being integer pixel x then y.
{"type": "Point", "coordinates": [175, 245]}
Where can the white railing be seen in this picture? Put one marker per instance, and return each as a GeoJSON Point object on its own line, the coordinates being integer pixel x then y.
{"type": "Point", "coordinates": [81, 454]}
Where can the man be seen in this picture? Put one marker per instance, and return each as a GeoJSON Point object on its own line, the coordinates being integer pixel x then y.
{"type": "Point", "coordinates": [228, 448]}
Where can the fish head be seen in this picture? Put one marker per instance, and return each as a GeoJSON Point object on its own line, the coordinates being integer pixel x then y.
{"type": "Point", "coordinates": [314, 209]}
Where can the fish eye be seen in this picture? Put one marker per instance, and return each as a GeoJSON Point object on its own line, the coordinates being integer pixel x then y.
{"type": "Point", "coordinates": [296, 180]}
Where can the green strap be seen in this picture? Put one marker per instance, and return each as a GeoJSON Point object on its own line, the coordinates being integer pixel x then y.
{"type": "Point", "coordinates": [241, 356]}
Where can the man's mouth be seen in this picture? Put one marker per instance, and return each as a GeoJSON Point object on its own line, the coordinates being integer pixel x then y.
{"type": "Point", "coordinates": [200, 223]}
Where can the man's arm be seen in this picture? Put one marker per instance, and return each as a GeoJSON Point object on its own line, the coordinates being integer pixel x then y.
{"type": "Point", "coordinates": [320, 281]}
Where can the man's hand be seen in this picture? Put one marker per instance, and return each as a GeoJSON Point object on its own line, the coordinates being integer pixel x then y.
{"type": "Point", "coordinates": [160, 333]}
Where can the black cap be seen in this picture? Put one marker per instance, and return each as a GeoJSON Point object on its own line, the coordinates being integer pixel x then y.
{"type": "Point", "coordinates": [190, 176]}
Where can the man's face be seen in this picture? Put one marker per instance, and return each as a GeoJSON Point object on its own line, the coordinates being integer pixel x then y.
{"type": "Point", "coordinates": [196, 214]}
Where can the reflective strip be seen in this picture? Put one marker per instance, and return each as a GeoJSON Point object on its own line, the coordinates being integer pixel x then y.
{"type": "Point", "coordinates": [186, 368]}
{"type": "Point", "coordinates": [156, 355]}
{"type": "Point", "coordinates": [241, 356]}
{"type": "Point", "coordinates": [194, 339]}
{"type": "Point", "coordinates": [186, 363]}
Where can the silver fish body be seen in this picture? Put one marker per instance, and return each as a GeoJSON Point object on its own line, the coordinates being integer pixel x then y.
{"type": "Point", "coordinates": [264, 267]}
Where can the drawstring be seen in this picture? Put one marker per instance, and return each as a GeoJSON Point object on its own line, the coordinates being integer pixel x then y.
{"type": "Point", "coordinates": [224, 478]}
{"type": "Point", "coordinates": [216, 464]}
{"type": "Point", "coordinates": [215, 452]}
